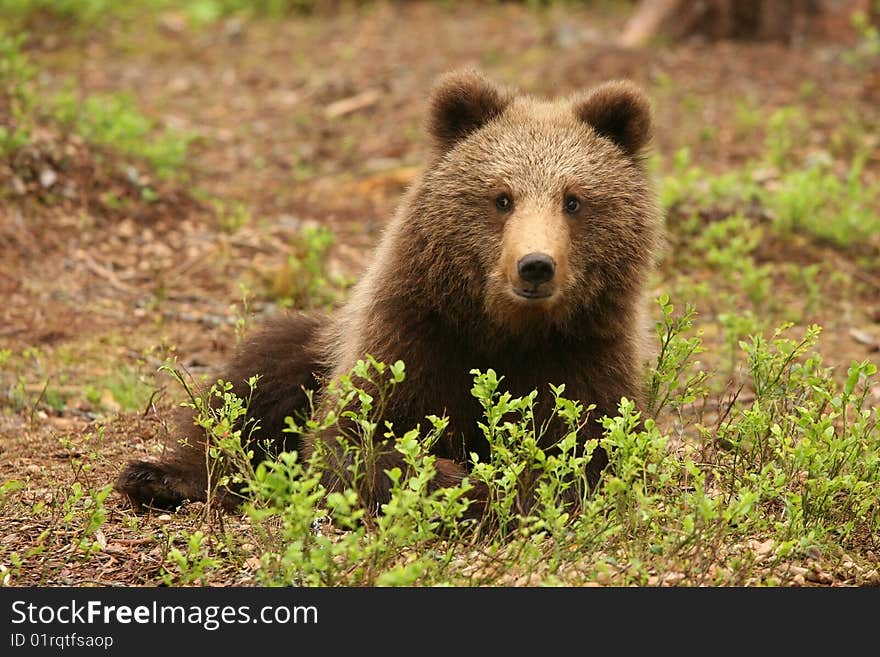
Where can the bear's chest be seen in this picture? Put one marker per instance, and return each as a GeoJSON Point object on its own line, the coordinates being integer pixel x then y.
{"type": "Point", "coordinates": [444, 388]}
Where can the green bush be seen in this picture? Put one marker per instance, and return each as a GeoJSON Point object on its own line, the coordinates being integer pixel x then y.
{"type": "Point", "coordinates": [797, 464]}
{"type": "Point", "coordinates": [109, 121]}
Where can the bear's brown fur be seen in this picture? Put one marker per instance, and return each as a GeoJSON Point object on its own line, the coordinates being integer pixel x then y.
{"type": "Point", "coordinates": [524, 247]}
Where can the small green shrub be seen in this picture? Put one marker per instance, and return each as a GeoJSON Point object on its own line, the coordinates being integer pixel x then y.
{"type": "Point", "coordinates": [804, 199]}
{"type": "Point", "coordinates": [126, 387]}
{"type": "Point", "coordinates": [16, 97]}
{"type": "Point", "coordinates": [303, 280]}
{"type": "Point", "coordinates": [842, 212]}
{"type": "Point", "coordinates": [84, 512]}
{"type": "Point", "coordinates": [191, 566]}
{"type": "Point", "coordinates": [114, 122]}
{"type": "Point", "coordinates": [785, 128]}
{"type": "Point", "coordinates": [726, 246]}
{"type": "Point", "coordinates": [109, 121]}
{"type": "Point", "coordinates": [675, 378]}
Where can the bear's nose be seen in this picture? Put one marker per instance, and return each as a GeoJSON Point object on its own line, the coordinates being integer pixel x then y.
{"type": "Point", "coordinates": [536, 268]}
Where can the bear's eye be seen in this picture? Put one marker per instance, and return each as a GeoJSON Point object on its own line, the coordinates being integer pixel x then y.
{"type": "Point", "coordinates": [503, 202]}
{"type": "Point", "coordinates": [572, 204]}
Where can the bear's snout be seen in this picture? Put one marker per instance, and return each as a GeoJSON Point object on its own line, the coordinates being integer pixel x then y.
{"type": "Point", "coordinates": [533, 268]}
{"type": "Point", "coordinates": [536, 268]}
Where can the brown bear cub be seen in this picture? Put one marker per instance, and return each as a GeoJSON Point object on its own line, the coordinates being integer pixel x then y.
{"type": "Point", "coordinates": [523, 247]}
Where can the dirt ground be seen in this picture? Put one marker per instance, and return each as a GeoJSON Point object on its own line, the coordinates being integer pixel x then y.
{"type": "Point", "coordinates": [310, 120]}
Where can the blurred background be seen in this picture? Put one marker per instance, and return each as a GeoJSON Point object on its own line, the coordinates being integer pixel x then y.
{"type": "Point", "coordinates": [169, 171]}
{"type": "Point", "coordinates": [162, 155]}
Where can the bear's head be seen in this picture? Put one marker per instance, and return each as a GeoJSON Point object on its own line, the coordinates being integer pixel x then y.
{"type": "Point", "coordinates": [538, 214]}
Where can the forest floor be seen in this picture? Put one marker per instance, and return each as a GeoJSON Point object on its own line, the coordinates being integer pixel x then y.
{"type": "Point", "coordinates": [317, 121]}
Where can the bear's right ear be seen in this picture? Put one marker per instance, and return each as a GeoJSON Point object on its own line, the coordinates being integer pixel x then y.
{"type": "Point", "coordinates": [462, 102]}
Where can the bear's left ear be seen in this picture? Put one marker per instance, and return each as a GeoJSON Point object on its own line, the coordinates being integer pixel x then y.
{"type": "Point", "coordinates": [618, 111]}
{"type": "Point", "coordinates": [461, 103]}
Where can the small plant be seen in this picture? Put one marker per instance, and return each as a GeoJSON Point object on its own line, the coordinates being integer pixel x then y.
{"type": "Point", "coordinates": [726, 246]}
{"type": "Point", "coordinates": [241, 312]}
{"type": "Point", "coordinates": [84, 511]}
{"type": "Point", "coordinates": [867, 50]}
{"type": "Point", "coordinates": [838, 211]}
{"type": "Point", "coordinates": [191, 566]}
{"type": "Point", "coordinates": [785, 128]}
{"type": "Point", "coordinates": [683, 181]}
{"type": "Point", "coordinates": [10, 571]}
{"type": "Point", "coordinates": [688, 187]}
{"type": "Point", "coordinates": [231, 215]}
{"type": "Point", "coordinates": [303, 281]}
{"type": "Point", "coordinates": [228, 447]}
{"type": "Point", "coordinates": [16, 97]}
{"type": "Point", "coordinates": [7, 489]}
{"type": "Point", "coordinates": [314, 537]}
{"type": "Point", "coordinates": [28, 382]}
{"type": "Point", "coordinates": [748, 116]}
{"type": "Point", "coordinates": [670, 381]}
{"type": "Point", "coordinates": [813, 443]}
{"type": "Point", "coordinates": [808, 199]}
{"type": "Point", "coordinates": [113, 121]}
{"type": "Point", "coordinates": [124, 389]}
{"type": "Point", "coordinates": [807, 278]}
